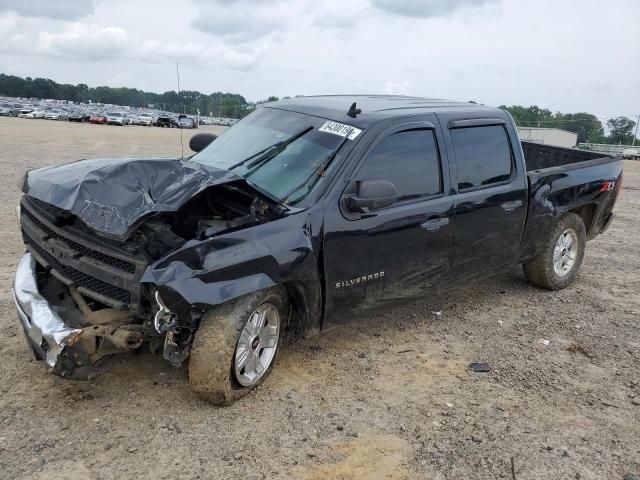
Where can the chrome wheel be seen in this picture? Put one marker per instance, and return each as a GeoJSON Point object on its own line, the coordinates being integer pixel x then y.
{"type": "Point", "coordinates": [257, 345]}
{"type": "Point", "coordinates": [565, 252]}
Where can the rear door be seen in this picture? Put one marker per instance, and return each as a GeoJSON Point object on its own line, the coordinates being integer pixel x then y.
{"type": "Point", "coordinates": [490, 193]}
{"type": "Point", "coordinates": [399, 250]}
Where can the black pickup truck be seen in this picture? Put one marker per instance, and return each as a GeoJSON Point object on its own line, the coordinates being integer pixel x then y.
{"type": "Point", "coordinates": [303, 212]}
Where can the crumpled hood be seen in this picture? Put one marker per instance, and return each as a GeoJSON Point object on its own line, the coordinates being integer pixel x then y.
{"type": "Point", "coordinates": [111, 195]}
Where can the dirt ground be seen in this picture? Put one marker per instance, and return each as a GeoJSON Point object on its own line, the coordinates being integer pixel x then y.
{"type": "Point", "coordinates": [386, 397]}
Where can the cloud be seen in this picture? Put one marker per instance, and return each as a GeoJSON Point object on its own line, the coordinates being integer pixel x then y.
{"type": "Point", "coordinates": [427, 8]}
{"type": "Point", "coordinates": [55, 9]}
{"type": "Point", "coordinates": [340, 15]}
{"type": "Point", "coordinates": [397, 88]}
{"type": "Point", "coordinates": [8, 24]}
{"type": "Point", "coordinates": [242, 58]}
{"type": "Point", "coordinates": [241, 21]}
{"type": "Point", "coordinates": [87, 42]}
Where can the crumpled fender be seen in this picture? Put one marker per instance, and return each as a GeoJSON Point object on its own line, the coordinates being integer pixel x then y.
{"type": "Point", "coordinates": [205, 273]}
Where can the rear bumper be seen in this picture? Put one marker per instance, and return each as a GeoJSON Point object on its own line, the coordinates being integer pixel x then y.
{"type": "Point", "coordinates": [46, 333]}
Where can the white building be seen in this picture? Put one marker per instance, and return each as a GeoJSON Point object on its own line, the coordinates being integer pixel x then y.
{"type": "Point", "coordinates": [548, 136]}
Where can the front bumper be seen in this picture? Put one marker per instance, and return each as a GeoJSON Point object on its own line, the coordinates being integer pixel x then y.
{"type": "Point", "coordinates": [69, 351]}
{"type": "Point", "coordinates": [47, 334]}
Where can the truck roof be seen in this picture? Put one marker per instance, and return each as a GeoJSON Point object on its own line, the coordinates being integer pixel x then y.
{"type": "Point", "coordinates": [373, 107]}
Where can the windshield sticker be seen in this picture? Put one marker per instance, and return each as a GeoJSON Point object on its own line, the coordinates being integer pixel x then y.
{"type": "Point", "coordinates": [340, 129]}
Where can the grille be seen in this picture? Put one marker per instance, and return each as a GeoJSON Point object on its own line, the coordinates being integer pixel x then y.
{"type": "Point", "coordinates": [81, 279]}
{"type": "Point", "coordinates": [81, 249]}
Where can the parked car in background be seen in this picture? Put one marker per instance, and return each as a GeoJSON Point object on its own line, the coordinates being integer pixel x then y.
{"type": "Point", "coordinates": [187, 122]}
{"type": "Point", "coordinates": [24, 112]}
{"type": "Point", "coordinates": [37, 113]}
{"type": "Point", "coordinates": [6, 109]}
{"type": "Point", "coordinates": [631, 153]}
{"type": "Point", "coordinates": [98, 118]}
{"type": "Point", "coordinates": [15, 109]}
{"type": "Point", "coordinates": [56, 115]}
{"type": "Point", "coordinates": [145, 119]}
{"type": "Point", "coordinates": [79, 116]}
{"type": "Point", "coordinates": [164, 121]}
{"type": "Point", "coordinates": [117, 118]}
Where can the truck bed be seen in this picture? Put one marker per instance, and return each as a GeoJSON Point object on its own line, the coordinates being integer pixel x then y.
{"type": "Point", "coordinates": [538, 156]}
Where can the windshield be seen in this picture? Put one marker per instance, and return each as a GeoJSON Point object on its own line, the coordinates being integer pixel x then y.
{"type": "Point", "coordinates": [286, 170]}
{"type": "Point", "coordinates": [115, 114]}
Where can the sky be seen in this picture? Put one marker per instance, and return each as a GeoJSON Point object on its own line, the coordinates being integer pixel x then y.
{"type": "Point", "coordinates": [565, 55]}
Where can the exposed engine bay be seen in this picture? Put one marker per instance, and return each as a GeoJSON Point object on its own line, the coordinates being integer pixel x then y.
{"type": "Point", "coordinates": [217, 209]}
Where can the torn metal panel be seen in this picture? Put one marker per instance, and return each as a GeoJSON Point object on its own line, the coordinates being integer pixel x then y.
{"type": "Point", "coordinates": [112, 195]}
{"type": "Point", "coordinates": [46, 332]}
{"type": "Point", "coordinates": [218, 269]}
{"type": "Point", "coordinates": [68, 350]}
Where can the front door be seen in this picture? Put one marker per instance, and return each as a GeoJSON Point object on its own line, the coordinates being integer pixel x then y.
{"type": "Point", "coordinates": [398, 250]}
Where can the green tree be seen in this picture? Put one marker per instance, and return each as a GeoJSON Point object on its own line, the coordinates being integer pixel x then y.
{"type": "Point", "coordinates": [189, 101]}
{"type": "Point", "coordinates": [597, 135]}
{"type": "Point", "coordinates": [620, 130]}
{"type": "Point", "coordinates": [586, 125]}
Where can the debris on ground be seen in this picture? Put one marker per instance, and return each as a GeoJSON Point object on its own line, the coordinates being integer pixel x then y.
{"type": "Point", "coordinates": [545, 342]}
{"type": "Point", "coordinates": [480, 367]}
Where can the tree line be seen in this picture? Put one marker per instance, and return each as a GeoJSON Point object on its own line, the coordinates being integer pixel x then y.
{"type": "Point", "coordinates": [217, 104]}
{"type": "Point", "coordinates": [588, 127]}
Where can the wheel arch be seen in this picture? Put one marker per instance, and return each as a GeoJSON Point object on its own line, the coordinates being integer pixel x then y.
{"type": "Point", "coordinates": [588, 214]}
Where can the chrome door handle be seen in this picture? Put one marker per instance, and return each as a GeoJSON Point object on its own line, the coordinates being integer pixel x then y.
{"type": "Point", "coordinates": [511, 206]}
{"type": "Point", "coordinates": [435, 224]}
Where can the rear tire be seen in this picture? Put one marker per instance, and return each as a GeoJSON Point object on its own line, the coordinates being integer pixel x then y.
{"type": "Point", "coordinates": [559, 263]}
{"type": "Point", "coordinates": [221, 341]}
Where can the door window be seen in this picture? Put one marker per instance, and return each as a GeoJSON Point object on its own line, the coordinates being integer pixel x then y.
{"type": "Point", "coordinates": [409, 159]}
{"type": "Point", "coordinates": [483, 156]}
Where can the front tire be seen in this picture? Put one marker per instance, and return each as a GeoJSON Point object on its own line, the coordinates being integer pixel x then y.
{"type": "Point", "coordinates": [559, 263]}
{"type": "Point", "coordinates": [235, 346]}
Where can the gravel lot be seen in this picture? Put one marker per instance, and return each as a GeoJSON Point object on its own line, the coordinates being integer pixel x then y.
{"type": "Point", "coordinates": [386, 397]}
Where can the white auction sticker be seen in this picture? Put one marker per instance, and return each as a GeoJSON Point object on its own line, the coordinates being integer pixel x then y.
{"type": "Point", "coordinates": [340, 129]}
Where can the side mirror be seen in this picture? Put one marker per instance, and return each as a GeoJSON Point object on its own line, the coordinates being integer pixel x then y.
{"type": "Point", "coordinates": [200, 141]}
{"type": "Point", "coordinates": [371, 195]}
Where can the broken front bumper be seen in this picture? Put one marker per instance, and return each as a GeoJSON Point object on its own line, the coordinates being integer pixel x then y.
{"type": "Point", "coordinates": [47, 334]}
{"type": "Point", "coordinates": [68, 350]}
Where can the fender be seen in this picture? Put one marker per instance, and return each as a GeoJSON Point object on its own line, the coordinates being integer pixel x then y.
{"type": "Point", "coordinates": [205, 273]}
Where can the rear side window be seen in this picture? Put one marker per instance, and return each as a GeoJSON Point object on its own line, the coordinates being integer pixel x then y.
{"type": "Point", "coordinates": [408, 159]}
{"type": "Point", "coordinates": [483, 156]}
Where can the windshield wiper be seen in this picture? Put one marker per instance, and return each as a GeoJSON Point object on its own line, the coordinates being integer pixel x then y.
{"type": "Point", "coordinates": [319, 171]}
{"type": "Point", "coordinates": [271, 151]}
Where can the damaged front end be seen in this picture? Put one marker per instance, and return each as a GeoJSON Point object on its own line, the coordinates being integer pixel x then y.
{"type": "Point", "coordinates": [71, 342]}
{"type": "Point", "coordinates": [79, 289]}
